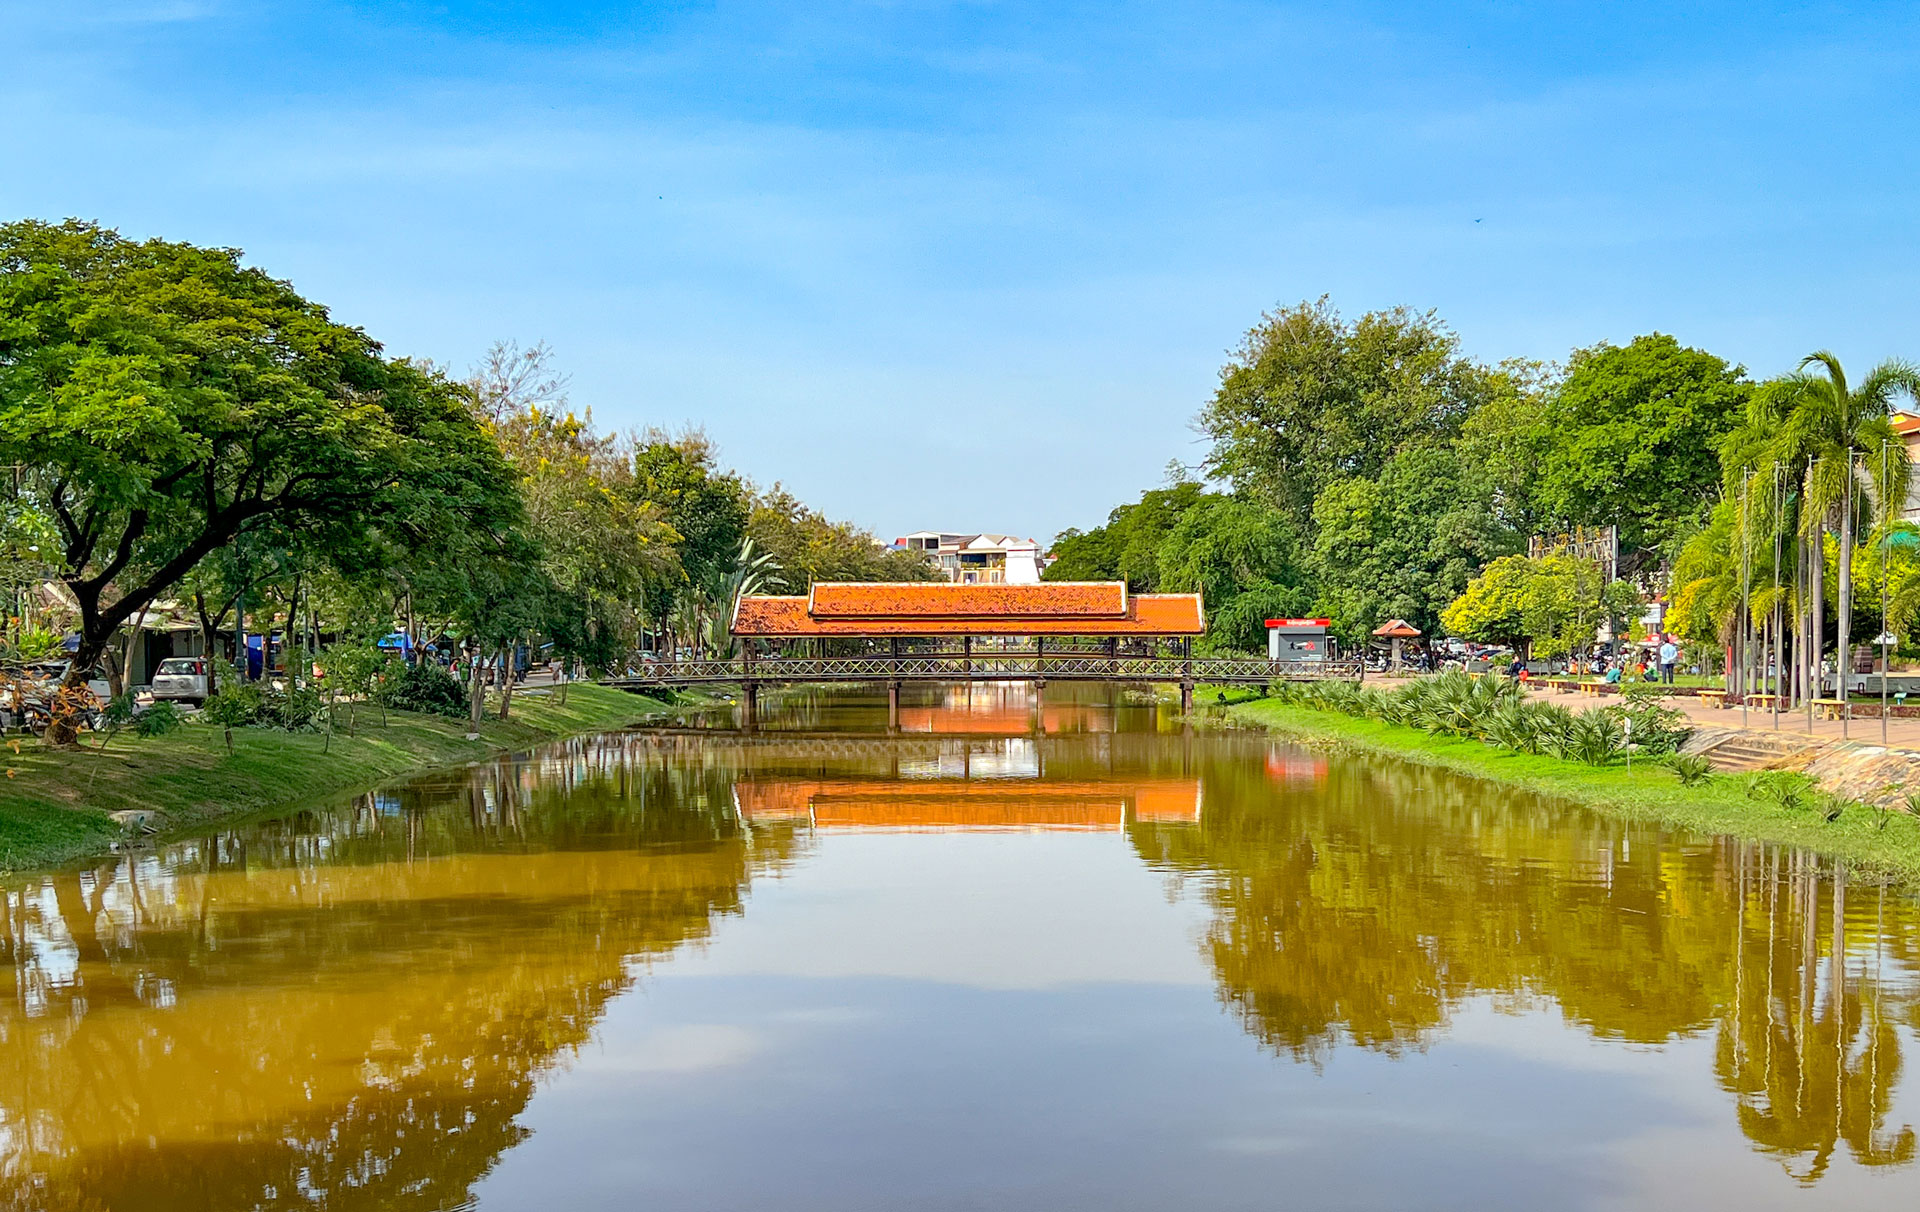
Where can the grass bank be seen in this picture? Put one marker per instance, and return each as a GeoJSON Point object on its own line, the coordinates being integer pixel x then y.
{"type": "Point", "coordinates": [1646, 793]}
{"type": "Point", "coordinates": [55, 805]}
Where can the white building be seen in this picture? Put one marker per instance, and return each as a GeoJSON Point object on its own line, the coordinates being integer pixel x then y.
{"type": "Point", "coordinates": [977, 559]}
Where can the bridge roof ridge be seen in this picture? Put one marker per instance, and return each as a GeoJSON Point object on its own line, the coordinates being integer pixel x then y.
{"type": "Point", "coordinates": [1086, 608]}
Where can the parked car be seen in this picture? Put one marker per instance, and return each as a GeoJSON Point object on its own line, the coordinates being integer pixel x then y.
{"type": "Point", "coordinates": [181, 680]}
{"type": "Point", "coordinates": [37, 684]}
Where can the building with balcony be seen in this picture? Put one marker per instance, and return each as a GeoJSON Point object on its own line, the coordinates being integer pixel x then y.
{"type": "Point", "coordinates": [977, 559]}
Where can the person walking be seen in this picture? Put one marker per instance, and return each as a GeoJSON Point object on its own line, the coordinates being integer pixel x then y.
{"type": "Point", "coordinates": [1669, 655]}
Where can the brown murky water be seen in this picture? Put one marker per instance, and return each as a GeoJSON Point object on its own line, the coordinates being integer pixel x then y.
{"type": "Point", "coordinates": [971, 966]}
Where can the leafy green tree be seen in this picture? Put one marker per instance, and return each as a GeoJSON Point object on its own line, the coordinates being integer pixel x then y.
{"type": "Point", "coordinates": [164, 399]}
{"type": "Point", "coordinates": [1242, 556]}
{"type": "Point", "coordinates": [600, 546]}
{"type": "Point", "coordinates": [807, 546]}
{"type": "Point", "coordinates": [1127, 548]}
{"type": "Point", "coordinates": [1309, 399]}
{"type": "Point", "coordinates": [680, 479]}
{"type": "Point", "coordinates": [352, 669]}
{"type": "Point", "coordinates": [1406, 544]}
{"type": "Point", "coordinates": [1224, 545]}
{"type": "Point", "coordinates": [1630, 437]}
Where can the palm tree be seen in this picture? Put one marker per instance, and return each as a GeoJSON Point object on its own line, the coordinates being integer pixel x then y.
{"type": "Point", "coordinates": [710, 612]}
{"type": "Point", "coordinates": [1827, 428]}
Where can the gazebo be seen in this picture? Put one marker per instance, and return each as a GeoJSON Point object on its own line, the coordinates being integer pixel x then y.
{"type": "Point", "coordinates": [1399, 631]}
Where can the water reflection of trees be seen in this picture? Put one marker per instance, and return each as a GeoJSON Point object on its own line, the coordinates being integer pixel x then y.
{"type": "Point", "coordinates": [356, 1006]}
{"type": "Point", "coordinates": [1365, 904]}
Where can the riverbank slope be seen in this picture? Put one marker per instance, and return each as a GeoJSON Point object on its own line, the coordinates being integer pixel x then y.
{"type": "Point", "coordinates": [56, 805]}
{"type": "Point", "coordinates": [1887, 843]}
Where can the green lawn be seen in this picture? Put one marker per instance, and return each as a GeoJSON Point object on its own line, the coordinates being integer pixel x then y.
{"type": "Point", "coordinates": [54, 804]}
{"type": "Point", "coordinates": [1647, 792]}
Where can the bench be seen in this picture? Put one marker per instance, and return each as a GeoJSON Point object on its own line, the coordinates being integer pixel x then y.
{"type": "Point", "coordinates": [1762, 701]}
{"type": "Point", "coordinates": [1830, 709]}
{"type": "Point", "coordinates": [1713, 698]}
{"type": "Point", "coordinates": [1593, 689]}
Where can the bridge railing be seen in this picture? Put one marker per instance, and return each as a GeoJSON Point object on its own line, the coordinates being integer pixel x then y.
{"type": "Point", "coordinates": [990, 667]}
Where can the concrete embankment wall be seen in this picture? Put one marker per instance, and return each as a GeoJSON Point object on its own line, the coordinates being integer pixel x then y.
{"type": "Point", "coordinates": [1858, 770]}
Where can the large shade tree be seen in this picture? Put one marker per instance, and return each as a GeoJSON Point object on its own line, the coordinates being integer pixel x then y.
{"type": "Point", "coordinates": [1309, 398]}
{"type": "Point", "coordinates": [1628, 437]}
{"type": "Point", "coordinates": [163, 399]}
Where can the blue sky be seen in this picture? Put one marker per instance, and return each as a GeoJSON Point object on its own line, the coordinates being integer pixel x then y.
{"type": "Point", "coordinates": [976, 265]}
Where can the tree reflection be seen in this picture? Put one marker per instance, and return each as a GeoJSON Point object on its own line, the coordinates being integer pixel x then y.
{"type": "Point", "coordinates": [355, 1007]}
{"type": "Point", "coordinates": [1364, 905]}
{"type": "Point", "coordinates": [1806, 1044]}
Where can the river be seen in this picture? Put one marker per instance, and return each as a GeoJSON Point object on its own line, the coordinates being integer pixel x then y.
{"type": "Point", "coordinates": [1018, 956]}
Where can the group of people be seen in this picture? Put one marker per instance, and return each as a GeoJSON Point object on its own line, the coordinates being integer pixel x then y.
{"type": "Point", "coordinates": [1642, 665]}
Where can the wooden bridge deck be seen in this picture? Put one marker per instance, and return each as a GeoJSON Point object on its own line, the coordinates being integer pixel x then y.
{"type": "Point", "coordinates": [986, 667]}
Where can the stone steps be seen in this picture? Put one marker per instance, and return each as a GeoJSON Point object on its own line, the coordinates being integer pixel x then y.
{"type": "Point", "coordinates": [1734, 751]}
{"type": "Point", "coordinates": [1733, 757]}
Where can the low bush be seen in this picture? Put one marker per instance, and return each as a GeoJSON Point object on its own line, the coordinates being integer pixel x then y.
{"type": "Point", "coordinates": [1785, 789]}
{"type": "Point", "coordinates": [1495, 710]}
{"type": "Point", "coordinates": [423, 687]}
{"type": "Point", "coordinates": [157, 720]}
{"type": "Point", "coordinates": [296, 710]}
{"type": "Point", "coordinates": [240, 704]}
{"type": "Point", "coordinates": [1690, 768]}
{"type": "Point", "coordinates": [236, 704]}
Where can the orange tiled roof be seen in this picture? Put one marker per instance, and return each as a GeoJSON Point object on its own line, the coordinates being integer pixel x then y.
{"type": "Point", "coordinates": [1065, 608]}
{"type": "Point", "coordinates": [1905, 423]}
{"type": "Point", "coordinates": [927, 600]}
{"type": "Point", "coordinates": [986, 804]}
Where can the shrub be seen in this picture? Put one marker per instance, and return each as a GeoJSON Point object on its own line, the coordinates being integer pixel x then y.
{"type": "Point", "coordinates": [1831, 805]}
{"type": "Point", "coordinates": [1784, 789]}
{"type": "Point", "coordinates": [236, 704]}
{"type": "Point", "coordinates": [1690, 768]}
{"type": "Point", "coordinates": [1593, 737]}
{"type": "Point", "coordinates": [1657, 729]}
{"type": "Point", "coordinates": [423, 687]}
{"type": "Point", "coordinates": [295, 710]}
{"type": "Point", "coordinates": [157, 720]}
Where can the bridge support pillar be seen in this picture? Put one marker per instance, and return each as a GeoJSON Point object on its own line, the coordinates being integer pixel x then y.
{"type": "Point", "coordinates": [893, 706]}
{"type": "Point", "coordinates": [1186, 697]}
{"type": "Point", "coordinates": [750, 702]}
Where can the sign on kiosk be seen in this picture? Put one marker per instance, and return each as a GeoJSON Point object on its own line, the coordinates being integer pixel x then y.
{"type": "Point", "coordinates": [1297, 639]}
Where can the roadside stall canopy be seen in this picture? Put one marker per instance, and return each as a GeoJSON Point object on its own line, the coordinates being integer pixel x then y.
{"type": "Point", "coordinates": [1399, 631]}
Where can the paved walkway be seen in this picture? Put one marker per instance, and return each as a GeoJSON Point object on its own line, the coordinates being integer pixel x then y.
{"type": "Point", "coordinates": [1900, 734]}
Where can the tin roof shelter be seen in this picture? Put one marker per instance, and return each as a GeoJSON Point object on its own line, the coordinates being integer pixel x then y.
{"type": "Point", "coordinates": [919, 608]}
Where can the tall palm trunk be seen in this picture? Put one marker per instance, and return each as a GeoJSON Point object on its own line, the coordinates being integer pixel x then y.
{"type": "Point", "coordinates": [1843, 655]}
{"type": "Point", "coordinates": [1816, 611]}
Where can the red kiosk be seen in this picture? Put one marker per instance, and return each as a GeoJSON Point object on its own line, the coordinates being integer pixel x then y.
{"type": "Point", "coordinates": [1298, 639]}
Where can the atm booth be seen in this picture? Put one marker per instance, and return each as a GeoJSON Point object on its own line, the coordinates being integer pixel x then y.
{"type": "Point", "coordinates": [1298, 639]}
